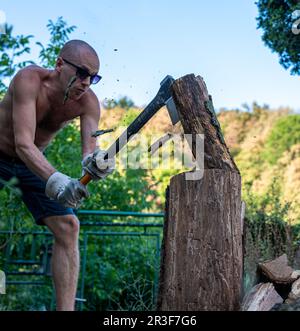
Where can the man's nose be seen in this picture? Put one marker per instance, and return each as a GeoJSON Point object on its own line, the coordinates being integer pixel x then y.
{"type": "Point", "coordinates": [86, 81]}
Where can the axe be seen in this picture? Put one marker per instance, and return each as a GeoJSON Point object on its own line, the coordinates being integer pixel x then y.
{"type": "Point", "coordinates": [162, 98]}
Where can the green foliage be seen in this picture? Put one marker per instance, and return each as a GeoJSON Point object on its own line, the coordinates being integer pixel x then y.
{"type": "Point", "coordinates": [27, 297]}
{"type": "Point", "coordinates": [123, 191]}
{"type": "Point", "coordinates": [275, 18]}
{"type": "Point", "coordinates": [284, 134]}
{"type": "Point", "coordinates": [109, 103]}
{"type": "Point", "coordinates": [13, 214]}
{"type": "Point", "coordinates": [258, 110]}
{"type": "Point", "coordinates": [11, 48]}
{"type": "Point", "coordinates": [123, 102]}
{"type": "Point", "coordinates": [129, 116]}
{"type": "Point", "coordinates": [268, 233]}
{"type": "Point", "coordinates": [59, 32]}
{"type": "Point", "coordinates": [120, 272]}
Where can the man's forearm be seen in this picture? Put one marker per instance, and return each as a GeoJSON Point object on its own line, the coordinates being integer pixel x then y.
{"type": "Point", "coordinates": [35, 161]}
{"type": "Point", "coordinates": [87, 149]}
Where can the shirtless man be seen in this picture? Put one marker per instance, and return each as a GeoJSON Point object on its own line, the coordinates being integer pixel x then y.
{"type": "Point", "coordinates": [38, 103]}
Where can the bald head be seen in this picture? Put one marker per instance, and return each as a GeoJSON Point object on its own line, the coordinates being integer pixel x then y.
{"type": "Point", "coordinates": [73, 49]}
{"type": "Point", "coordinates": [77, 50]}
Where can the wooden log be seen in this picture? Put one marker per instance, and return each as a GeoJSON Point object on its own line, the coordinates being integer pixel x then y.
{"type": "Point", "coordinates": [262, 297]}
{"type": "Point", "coordinates": [294, 295]}
{"type": "Point", "coordinates": [201, 256]}
{"type": "Point", "coordinates": [197, 116]}
{"type": "Point", "coordinates": [201, 266]}
{"type": "Point", "coordinates": [278, 270]}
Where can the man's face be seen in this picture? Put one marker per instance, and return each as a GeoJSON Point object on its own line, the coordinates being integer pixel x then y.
{"type": "Point", "coordinates": [83, 66]}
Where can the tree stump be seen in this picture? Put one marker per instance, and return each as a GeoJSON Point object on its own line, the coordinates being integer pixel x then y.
{"type": "Point", "coordinates": [201, 256]}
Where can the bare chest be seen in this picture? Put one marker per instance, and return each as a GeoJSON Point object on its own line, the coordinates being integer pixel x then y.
{"type": "Point", "coordinates": [52, 117]}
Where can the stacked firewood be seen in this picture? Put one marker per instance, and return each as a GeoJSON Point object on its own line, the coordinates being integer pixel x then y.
{"type": "Point", "coordinates": [278, 287]}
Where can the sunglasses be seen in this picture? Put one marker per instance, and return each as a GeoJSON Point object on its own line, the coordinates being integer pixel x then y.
{"type": "Point", "coordinates": [83, 74]}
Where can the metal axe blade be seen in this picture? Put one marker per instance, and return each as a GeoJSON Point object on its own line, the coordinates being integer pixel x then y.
{"type": "Point", "coordinates": [172, 110]}
{"type": "Point", "coordinates": [169, 102]}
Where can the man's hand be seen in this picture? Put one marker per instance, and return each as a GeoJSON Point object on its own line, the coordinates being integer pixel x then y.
{"type": "Point", "coordinates": [96, 166]}
{"type": "Point", "coordinates": [67, 191]}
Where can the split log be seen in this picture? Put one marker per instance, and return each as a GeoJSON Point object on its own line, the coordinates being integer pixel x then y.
{"type": "Point", "coordinates": [278, 270]}
{"type": "Point", "coordinates": [262, 297]}
{"type": "Point", "coordinates": [295, 292]}
{"type": "Point", "coordinates": [201, 256]}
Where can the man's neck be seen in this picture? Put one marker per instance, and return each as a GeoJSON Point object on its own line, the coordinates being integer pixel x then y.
{"type": "Point", "coordinates": [55, 90]}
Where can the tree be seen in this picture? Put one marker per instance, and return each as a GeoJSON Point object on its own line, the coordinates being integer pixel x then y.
{"type": "Point", "coordinates": [59, 32]}
{"type": "Point", "coordinates": [123, 102]}
{"type": "Point", "coordinates": [11, 49]}
{"type": "Point", "coordinates": [277, 19]}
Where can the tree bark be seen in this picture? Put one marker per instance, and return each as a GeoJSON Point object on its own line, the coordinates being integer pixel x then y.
{"type": "Point", "coordinates": [197, 116]}
{"type": "Point", "coordinates": [201, 256]}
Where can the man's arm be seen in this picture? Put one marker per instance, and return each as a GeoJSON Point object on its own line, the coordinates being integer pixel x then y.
{"type": "Point", "coordinates": [88, 124]}
{"type": "Point", "coordinates": [91, 155]}
{"type": "Point", "coordinates": [25, 92]}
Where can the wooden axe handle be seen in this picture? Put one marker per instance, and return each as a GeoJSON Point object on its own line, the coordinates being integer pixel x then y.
{"type": "Point", "coordinates": [85, 179]}
{"type": "Point", "coordinates": [160, 99]}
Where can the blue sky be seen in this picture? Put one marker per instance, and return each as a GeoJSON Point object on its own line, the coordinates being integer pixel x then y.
{"type": "Point", "coordinates": [217, 40]}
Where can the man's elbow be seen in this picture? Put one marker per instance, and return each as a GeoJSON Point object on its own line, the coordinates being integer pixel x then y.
{"type": "Point", "coordinates": [22, 148]}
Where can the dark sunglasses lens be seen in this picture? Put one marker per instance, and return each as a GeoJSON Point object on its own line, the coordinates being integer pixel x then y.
{"type": "Point", "coordinates": [82, 74]}
{"type": "Point", "coordinates": [95, 79]}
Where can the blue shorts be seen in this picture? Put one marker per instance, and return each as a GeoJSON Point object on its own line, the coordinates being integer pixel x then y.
{"type": "Point", "coordinates": [32, 188]}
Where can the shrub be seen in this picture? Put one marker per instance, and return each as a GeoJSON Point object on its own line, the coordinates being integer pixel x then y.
{"type": "Point", "coordinates": [284, 134]}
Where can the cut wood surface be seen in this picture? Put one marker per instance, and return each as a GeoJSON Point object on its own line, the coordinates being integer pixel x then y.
{"type": "Point", "coordinates": [262, 297]}
{"type": "Point", "coordinates": [278, 270]}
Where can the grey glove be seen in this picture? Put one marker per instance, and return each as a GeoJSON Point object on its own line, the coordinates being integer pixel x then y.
{"type": "Point", "coordinates": [67, 191]}
{"type": "Point", "coordinates": [97, 167]}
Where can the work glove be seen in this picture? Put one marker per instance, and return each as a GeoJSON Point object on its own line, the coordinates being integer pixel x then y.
{"type": "Point", "coordinates": [95, 165]}
{"type": "Point", "coordinates": [67, 191]}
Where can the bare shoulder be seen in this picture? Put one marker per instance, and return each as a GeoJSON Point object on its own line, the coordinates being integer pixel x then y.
{"type": "Point", "coordinates": [28, 79]}
{"type": "Point", "coordinates": [90, 103]}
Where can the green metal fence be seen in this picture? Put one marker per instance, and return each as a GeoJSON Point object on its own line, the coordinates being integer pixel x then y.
{"type": "Point", "coordinates": [107, 239]}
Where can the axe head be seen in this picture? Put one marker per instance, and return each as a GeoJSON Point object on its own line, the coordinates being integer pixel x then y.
{"type": "Point", "coordinates": [172, 110]}
{"type": "Point", "coordinates": [165, 86]}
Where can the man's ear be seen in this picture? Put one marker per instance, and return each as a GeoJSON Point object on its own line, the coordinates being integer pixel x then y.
{"type": "Point", "coordinates": [59, 64]}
